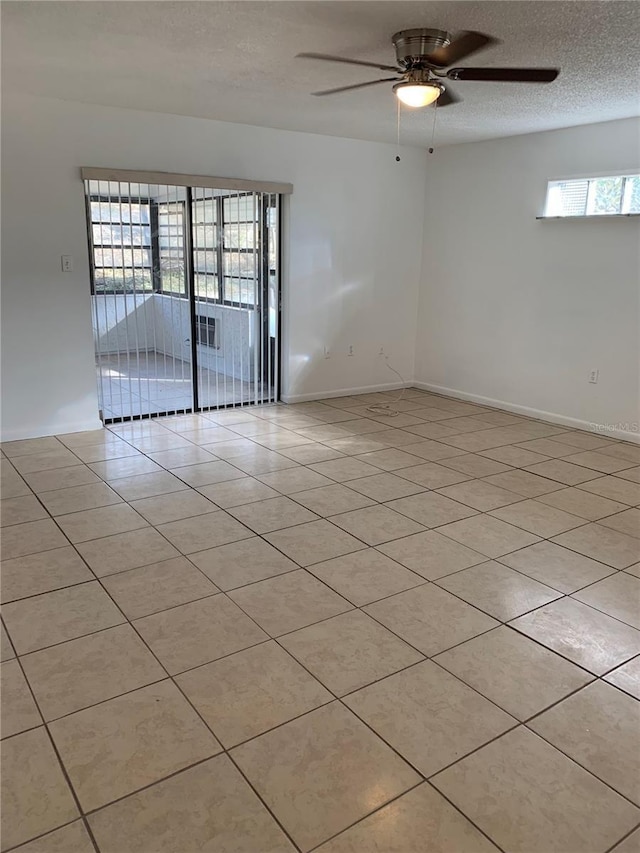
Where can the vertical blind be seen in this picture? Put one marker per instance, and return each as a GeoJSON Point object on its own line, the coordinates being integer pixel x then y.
{"type": "Point", "coordinates": [185, 293]}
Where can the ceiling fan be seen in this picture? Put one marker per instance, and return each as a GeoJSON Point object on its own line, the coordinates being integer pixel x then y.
{"type": "Point", "coordinates": [423, 57]}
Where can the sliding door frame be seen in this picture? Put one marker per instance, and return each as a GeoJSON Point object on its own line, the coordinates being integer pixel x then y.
{"type": "Point", "coordinates": [268, 352]}
{"type": "Point", "coordinates": [191, 294]}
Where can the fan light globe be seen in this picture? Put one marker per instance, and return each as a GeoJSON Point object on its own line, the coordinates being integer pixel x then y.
{"type": "Point", "coordinates": [417, 94]}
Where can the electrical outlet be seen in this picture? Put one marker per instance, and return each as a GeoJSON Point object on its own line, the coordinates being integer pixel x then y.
{"type": "Point", "coordinates": [66, 262]}
{"type": "Point", "coordinates": [594, 375]}
{"type": "Point", "coordinates": [351, 351]}
{"type": "Point", "coordinates": [327, 352]}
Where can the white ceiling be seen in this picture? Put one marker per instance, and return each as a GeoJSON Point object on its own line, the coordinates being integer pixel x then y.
{"type": "Point", "coordinates": [234, 61]}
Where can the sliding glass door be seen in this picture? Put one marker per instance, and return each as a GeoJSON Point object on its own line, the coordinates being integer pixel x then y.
{"type": "Point", "coordinates": [185, 297]}
{"type": "Point", "coordinates": [234, 284]}
{"type": "Point", "coordinates": [139, 295]}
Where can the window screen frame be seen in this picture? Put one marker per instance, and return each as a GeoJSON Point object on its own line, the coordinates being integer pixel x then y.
{"type": "Point", "coordinates": [151, 247]}
{"type": "Point", "coordinates": [184, 293]}
{"type": "Point", "coordinates": [222, 251]}
{"type": "Point", "coordinates": [263, 266]}
{"type": "Point", "coordinates": [590, 179]}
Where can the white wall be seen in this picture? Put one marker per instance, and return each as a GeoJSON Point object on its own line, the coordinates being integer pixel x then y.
{"type": "Point", "coordinates": [352, 248]}
{"type": "Point", "coordinates": [517, 310]}
{"type": "Point", "coordinates": [236, 330]}
{"type": "Point", "coordinates": [160, 323]}
{"type": "Point", "coordinates": [511, 309]}
{"type": "Point", "coordinates": [123, 322]}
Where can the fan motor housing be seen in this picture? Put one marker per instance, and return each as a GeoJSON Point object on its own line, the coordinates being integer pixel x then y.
{"type": "Point", "coordinates": [413, 46]}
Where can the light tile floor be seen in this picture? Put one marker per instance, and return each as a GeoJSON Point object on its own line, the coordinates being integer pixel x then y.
{"type": "Point", "coordinates": [146, 382]}
{"type": "Point", "coordinates": [314, 627]}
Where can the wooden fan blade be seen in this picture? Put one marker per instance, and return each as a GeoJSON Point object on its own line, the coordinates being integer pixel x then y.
{"type": "Point", "coordinates": [463, 45]}
{"type": "Point", "coordinates": [356, 86]}
{"type": "Point", "coordinates": [505, 75]}
{"type": "Point", "coordinates": [326, 58]}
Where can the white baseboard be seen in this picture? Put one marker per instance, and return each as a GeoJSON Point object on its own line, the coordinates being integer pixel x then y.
{"type": "Point", "coordinates": [57, 429]}
{"type": "Point", "coordinates": [343, 392]}
{"type": "Point", "coordinates": [553, 417]}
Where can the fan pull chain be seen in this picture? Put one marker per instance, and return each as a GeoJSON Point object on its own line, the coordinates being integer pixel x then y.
{"type": "Point", "coordinates": [433, 129]}
{"type": "Point", "coordinates": [398, 134]}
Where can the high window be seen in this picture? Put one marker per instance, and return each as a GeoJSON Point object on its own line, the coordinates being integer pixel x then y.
{"type": "Point", "coordinates": [607, 196]}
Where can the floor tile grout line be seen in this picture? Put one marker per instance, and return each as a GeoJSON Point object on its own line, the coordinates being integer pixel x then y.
{"type": "Point", "coordinates": [376, 734]}
{"type": "Point", "coordinates": [626, 660]}
{"type": "Point", "coordinates": [379, 737]}
{"type": "Point", "coordinates": [176, 685]}
{"type": "Point", "coordinates": [8, 635]}
{"type": "Point", "coordinates": [332, 700]}
{"type": "Point", "coordinates": [423, 489]}
{"type": "Point", "coordinates": [423, 582]}
{"type": "Point", "coordinates": [485, 512]}
{"type": "Point", "coordinates": [173, 680]}
{"type": "Point", "coordinates": [526, 720]}
{"type": "Point", "coordinates": [524, 419]}
{"type": "Point", "coordinates": [520, 724]}
{"type": "Point", "coordinates": [467, 817]}
{"type": "Point", "coordinates": [156, 528]}
{"type": "Point", "coordinates": [47, 591]}
{"type": "Point", "coordinates": [428, 777]}
{"type": "Point", "coordinates": [50, 832]}
{"type": "Point", "coordinates": [582, 522]}
{"type": "Point", "coordinates": [7, 738]}
{"type": "Point", "coordinates": [67, 714]}
{"type": "Point", "coordinates": [615, 573]}
{"type": "Point", "coordinates": [540, 539]}
{"type": "Point", "coordinates": [544, 583]}
{"type": "Point", "coordinates": [505, 624]}
{"type": "Point", "coordinates": [223, 749]}
{"type": "Point", "coordinates": [428, 527]}
{"type": "Point", "coordinates": [444, 440]}
{"type": "Point", "coordinates": [485, 697]}
{"type": "Point", "coordinates": [576, 761]}
{"type": "Point", "coordinates": [306, 567]}
{"type": "Point", "coordinates": [550, 541]}
{"type": "Point", "coordinates": [593, 676]}
{"type": "Point", "coordinates": [613, 847]}
{"type": "Point", "coordinates": [562, 595]}
{"type": "Point", "coordinates": [351, 609]}
{"type": "Point", "coordinates": [499, 559]}
{"type": "Point", "coordinates": [600, 473]}
{"type": "Point", "coordinates": [602, 521]}
{"type": "Point", "coordinates": [369, 815]}
{"type": "Point", "coordinates": [594, 680]}
{"type": "Point", "coordinates": [604, 676]}
{"type": "Point", "coordinates": [263, 802]}
{"type": "Point", "coordinates": [61, 763]}
{"type": "Point", "coordinates": [90, 812]}
{"type": "Point", "coordinates": [598, 609]}
{"type": "Point", "coordinates": [395, 799]}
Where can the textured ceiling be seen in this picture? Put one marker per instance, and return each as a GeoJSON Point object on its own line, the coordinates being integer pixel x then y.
{"type": "Point", "coordinates": [234, 61]}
